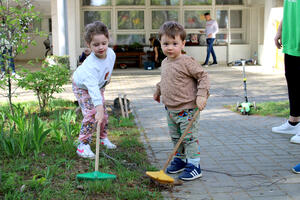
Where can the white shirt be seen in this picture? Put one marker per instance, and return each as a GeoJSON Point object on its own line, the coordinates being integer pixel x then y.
{"type": "Point", "coordinates": [94, 73]}
{"type": "Point", "coordinates": [211, 27]}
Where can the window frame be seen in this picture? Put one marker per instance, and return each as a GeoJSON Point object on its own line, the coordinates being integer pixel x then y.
{"type": "Point", "coordinates": [148, 8]}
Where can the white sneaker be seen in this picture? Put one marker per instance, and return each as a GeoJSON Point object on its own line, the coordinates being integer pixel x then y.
{"type": "Point", "coordinates": [286, 128]}
{"type": "Point", "coordinates": [295, 139]}
{"type": "Point", "coordinates": [84, 151]}
{"type": "Point", "coordinates": [107, 143]}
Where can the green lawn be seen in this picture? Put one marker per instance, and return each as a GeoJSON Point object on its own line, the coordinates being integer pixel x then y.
{"type": "Point", "coordinates": [278, 109]}
{"type": "Point", "coordinates": [36, 167]}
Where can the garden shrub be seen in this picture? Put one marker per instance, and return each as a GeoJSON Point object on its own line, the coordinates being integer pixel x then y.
{"type": "Point", "coordinates": [46, 82]}
{"type": "Point", "coordinates": [58, 60]}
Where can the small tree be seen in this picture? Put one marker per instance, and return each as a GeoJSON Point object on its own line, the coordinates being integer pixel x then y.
{"type": "Point", "coordinates": [46, 82]}
{"type": "Point", "coordinates": [16, 20]}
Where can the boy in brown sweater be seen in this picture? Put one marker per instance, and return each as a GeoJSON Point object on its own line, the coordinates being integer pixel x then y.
{"type": "Point", "coordinates": [184, 86]}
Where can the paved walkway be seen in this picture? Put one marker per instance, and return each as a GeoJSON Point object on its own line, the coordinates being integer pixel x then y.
{"type": "Point", "coordinates": [241, 158]}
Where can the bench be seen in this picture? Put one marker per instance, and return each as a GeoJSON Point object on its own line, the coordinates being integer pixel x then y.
{"type": "Point", "coordinates": [124, 57]}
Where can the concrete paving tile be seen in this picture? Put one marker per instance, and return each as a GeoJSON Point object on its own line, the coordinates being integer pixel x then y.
{"type": "Point", "coordinates": [217, 196]}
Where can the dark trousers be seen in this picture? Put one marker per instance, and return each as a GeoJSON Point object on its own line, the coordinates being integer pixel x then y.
{"type": "Point", "coordinates": [10, 60]}
{"type": "Point", "coordinates": [292, 72]}
{"type": "Point", "coordinates": [210, 49]}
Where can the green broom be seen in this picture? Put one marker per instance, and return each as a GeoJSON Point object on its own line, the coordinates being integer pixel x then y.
{"type": "Point", "coordinates": [96, 175]}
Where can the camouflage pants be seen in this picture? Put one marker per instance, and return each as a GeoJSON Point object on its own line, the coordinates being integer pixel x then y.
{"type": "Point", "coordinates": [178, 121]}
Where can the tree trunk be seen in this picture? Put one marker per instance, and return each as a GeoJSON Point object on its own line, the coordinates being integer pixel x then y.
{"type": "Point", "coordinates": [39, 99]}
{"type": "Point", "coordinates": [10, 93]}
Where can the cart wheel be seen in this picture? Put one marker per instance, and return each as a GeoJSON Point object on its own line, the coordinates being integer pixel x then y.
{"type": "Point", "coordinates": [254, 105]}
{"type": "Point", "coordinates": [237, 106]}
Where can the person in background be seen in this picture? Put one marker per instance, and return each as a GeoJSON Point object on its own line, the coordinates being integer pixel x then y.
{"type": "Point", "coordinates": [288, 37]}
{"type": "Point", "coordinates": [158, 53]}
{"type": "Point", "coordinates": [211, 29]}
{"type": "Point", "coordinates": [84, 55]}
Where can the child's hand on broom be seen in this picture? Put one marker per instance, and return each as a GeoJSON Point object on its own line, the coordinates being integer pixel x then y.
{"type": "Point", "coordinates": [99, 114]}
{"type": "Point", "coordinates": [201, 102]}
{"type": "Point", "coordinates": [156, 97]}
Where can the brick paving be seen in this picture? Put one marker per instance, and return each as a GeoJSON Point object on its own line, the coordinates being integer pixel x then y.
{"type": "Point", "coordinates": [241, 157]}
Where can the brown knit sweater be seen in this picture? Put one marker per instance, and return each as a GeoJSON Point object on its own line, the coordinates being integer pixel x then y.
{"type": "Point", "coordinates": [182, 80]}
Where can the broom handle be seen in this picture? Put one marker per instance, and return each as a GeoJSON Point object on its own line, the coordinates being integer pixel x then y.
{"type": "Point", "coordinates": [97, 147]}
{"type": "Point", "coordinates": [126, 106]}
{"type": "Point", "coordinates": [181, 139]}
{"type": "Point", "coordinates": [121, 105]}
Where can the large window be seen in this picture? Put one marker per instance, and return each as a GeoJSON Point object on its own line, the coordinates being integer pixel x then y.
{"type": "Point", "coordinates": [103, 16]}
{"type": "Point", "coordinates": [222, 18]}
{"type": "Point", "coordinates": [229, 2]}
{"type": "Point", "coordinates": [96, 2]}
{"type": "Point", "coordinates": [165, 2]}
{"type": "Point", "coordinates": [130, 2]}
{"type": "Point", "coordinates": [161, 16]}
{"type": "Point", "coordinates": [235, 19]}
{"type": "Point", "coordinates": [194, 18]}
{"type": "Point", "coordinates": [197, 2]}
{"type": "Point", "coordinates": [134, 21]}
{"type": "Point", "coordinates": [130, 39]}
{"type": "Point", "coordinates": [130, 20]}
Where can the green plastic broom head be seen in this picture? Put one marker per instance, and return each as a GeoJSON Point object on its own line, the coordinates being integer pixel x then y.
{"type": "Point", "coordinates": [92, 176]}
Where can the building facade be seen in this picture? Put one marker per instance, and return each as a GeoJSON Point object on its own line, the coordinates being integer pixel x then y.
{"type": "Point", "coordinates": [243, 24]}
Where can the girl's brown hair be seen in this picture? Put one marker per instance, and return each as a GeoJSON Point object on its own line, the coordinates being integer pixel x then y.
{"type": "Point", "coordinates": [95, 28]}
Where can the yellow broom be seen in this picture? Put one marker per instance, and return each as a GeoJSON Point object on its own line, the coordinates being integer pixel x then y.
{"type": "Point", "coordinates": [161, 176]}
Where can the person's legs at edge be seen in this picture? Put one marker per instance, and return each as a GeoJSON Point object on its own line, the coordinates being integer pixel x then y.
{"type": "Point", "coordinates": [292, 126]}
{"type": "Point", "coordinates": [292, 71]}
{"type": "Point", "coordinates": [103, 133]}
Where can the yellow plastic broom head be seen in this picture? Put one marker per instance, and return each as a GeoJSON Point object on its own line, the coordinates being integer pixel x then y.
{"type": "Point", "coordinates": [160, 176]}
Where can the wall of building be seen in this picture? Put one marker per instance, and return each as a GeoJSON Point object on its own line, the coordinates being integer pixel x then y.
{"type": "Point", "coordinates": [257, 20]}
{"type": "Point", "coordinates": [39, 50]}
{"type": "Point", "coordinates": [273, 14]}
{"type": "Point", "coordinates": [236, 52]}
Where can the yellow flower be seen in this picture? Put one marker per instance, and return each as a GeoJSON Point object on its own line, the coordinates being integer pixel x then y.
{"type": "Point", "coordinates": [136, 21]}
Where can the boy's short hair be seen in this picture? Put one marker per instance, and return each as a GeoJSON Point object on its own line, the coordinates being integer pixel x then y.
{"type": "Point", "coordinates": [207, 13]}
{"type": "Point", "coordinates": [171, 29]}
{"type": "Point", "coordinates": [95, 28]}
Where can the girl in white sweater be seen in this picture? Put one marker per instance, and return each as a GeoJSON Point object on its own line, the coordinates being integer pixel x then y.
{"type": "Point", "coordinates": [89, 81]}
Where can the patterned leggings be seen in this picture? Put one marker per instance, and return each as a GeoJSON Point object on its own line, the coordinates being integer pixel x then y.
{"type": "Point", "coordinates": [88, 125]}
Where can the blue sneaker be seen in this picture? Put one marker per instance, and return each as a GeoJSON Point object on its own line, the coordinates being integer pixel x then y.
{"type": "Point", "coordinates": [177, 165]}
{"type": "Point", "coordinates": [296, 169]}
{"type": "Point", "coordinates": [190, 173]}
